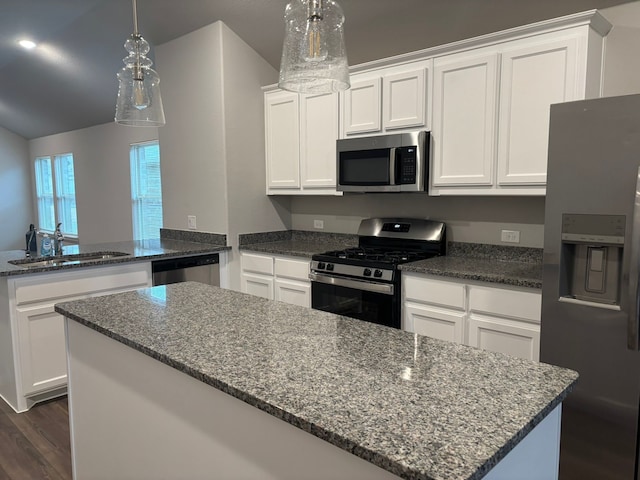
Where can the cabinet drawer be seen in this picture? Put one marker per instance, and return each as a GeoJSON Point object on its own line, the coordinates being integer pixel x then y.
{"type": "Point", "coordinates": [296, 269]}
{"type": "Point", "coordinates": [437, 292]}
{"type": "Point", "coordinates": [257, 263]}
{"type": "Point", "coordinates": [508, 303]}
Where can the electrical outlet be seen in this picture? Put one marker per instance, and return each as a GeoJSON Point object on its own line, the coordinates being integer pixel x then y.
{"type": "Point", "coordinates": [319, 224]}
{"type": "Point", "coordinates": [191, 222]}
{"type": "Point", "coordinates": [510, 236]}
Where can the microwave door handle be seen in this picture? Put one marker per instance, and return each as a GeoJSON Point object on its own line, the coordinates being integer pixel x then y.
{"type": "Point", "coordinates": [633, 341]}
{"type": "Point", "coordinates": [392, 165]}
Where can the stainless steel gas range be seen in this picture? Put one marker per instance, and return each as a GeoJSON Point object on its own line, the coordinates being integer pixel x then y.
{"type": "Point", "coordinates": [364, 282]}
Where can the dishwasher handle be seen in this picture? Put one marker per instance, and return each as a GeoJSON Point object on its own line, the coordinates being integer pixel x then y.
{"type": "Point", "coordinates": [184, 262]}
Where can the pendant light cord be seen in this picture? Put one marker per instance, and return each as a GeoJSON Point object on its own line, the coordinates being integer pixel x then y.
{"type": "Point", "coordinates": [135, 18]}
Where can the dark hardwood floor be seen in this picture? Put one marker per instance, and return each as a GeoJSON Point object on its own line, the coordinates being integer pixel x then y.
{"type": "Point", "coordinates": [35, 445]}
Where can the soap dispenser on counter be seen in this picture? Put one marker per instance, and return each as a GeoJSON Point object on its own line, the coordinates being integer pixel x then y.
{"type": "Point", "coordinates": [45, 247]}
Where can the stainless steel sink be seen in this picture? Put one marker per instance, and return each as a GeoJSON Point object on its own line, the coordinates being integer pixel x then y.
{"type": "Point", "coordinates": [61, 260]}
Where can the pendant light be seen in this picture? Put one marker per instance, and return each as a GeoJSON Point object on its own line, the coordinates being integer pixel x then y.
{"type": "Point", "coordinates": [139, 103]}
{"type": "Point", "coordinates": [314, 58]}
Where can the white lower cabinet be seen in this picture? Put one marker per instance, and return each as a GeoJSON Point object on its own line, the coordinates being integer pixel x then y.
{"type": "Point", "coordinates": [37, 336]}
{"type": "Point", "coordinates": [285, 279]}
{"type": "Point", "coordinates": [500, 319]}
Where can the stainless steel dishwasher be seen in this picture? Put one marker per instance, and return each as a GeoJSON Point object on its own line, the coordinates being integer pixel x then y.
{"type": "Point", "coordinates": [197, 268]}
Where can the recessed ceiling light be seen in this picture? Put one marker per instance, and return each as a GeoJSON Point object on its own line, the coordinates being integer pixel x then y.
{"type": "Point", "coordinates": [27, 44]}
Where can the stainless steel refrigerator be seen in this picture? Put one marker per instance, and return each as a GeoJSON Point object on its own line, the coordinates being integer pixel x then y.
{"type": "Point", "coordinates": [590, 282]}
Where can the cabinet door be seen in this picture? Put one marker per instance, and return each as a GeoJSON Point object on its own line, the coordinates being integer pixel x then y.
{"type": "Point", "coordinates": [519, 339]}
{"type": "Point", "coordinates": [258, 285]}
{"type": "Point", "coordinates": [318, 135]}
{"type": "Point", "coordinates": [532, 78]}
{"type": "Point", "coordinates": [282, 140]}
{"type": "Point", "coordinates": [434, 322]}
{"type": "Point", "coordinates": [43, 356]}
{"type": "Point", "coordinates": [361, 110]}
{"type": "Point", "coordinates": [294, 292]}
{"type": "Point", "coordinates": [404, 99]}
{"type": "Point", "coordinates": [464, 118]}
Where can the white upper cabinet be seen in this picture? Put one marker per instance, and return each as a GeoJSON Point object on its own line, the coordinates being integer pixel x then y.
{"type": "Point", "coordinates": [405, 99]}
{"type": "Point", "coordinates": [491, 108]}
{"type": "Point", "coordinates": [300, 135]}
{"type": "Point", "coordinates": [533, 76]}
{"type": "Point", "coordinates": [282, 140]}
{"type": "Point", "coordinates": [465, 90]}
{"type": "Point", "coordinates": [362, 106]}
{"type": "Point", "coordinates": [485, 100]}
{"type": "Point", "coordinates": [318, 135]}
{"type": "Point", "coordinates": [387, 100]}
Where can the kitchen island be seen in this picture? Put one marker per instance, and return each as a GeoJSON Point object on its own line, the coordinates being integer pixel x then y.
{"type": "Point", "coordinates": [193, 381]}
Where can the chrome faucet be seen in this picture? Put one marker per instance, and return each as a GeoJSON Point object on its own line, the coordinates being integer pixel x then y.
{"type": "Point", "coordinates": [58, 238]}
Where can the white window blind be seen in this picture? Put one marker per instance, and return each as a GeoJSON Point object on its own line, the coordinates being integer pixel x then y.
{"type": "Point", "coordinates": [66, 194]}
{"type": "Point", "coordinates": [56, 194]}
{"type": "Point", "coordinates": [146, 190]}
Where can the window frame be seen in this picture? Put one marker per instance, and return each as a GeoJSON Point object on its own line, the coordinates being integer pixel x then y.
{"type": "Point", "coordinates": [57, 198]}
{"type": "Point", "coordinates": [137, 198]}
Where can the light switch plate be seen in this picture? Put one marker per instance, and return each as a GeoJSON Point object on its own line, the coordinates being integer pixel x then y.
{"type": "Point", "coordinates": [191, 222]}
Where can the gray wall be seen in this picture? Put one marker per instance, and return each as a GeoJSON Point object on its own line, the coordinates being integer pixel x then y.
{"type": "Point", "coordinates": [192, 142]}
{"type": "Point", "coordinates": [103, 181]}
{"type": "Point", "coordinates": [16, 207]}
{"type": "Point", "coordinates": [469, 219]}
{"type": "Point", "coordinates": [212, 146]}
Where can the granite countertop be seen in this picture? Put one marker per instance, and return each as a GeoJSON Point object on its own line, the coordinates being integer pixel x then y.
{"type": "Point", "coordinates": [296, 243]}
{"type": "Point", "coordinates": [418, 407]}
{"type": "Point", "coordinates": [516, 266]}
{"type": "Point", "coordinates": [520, 274]}
{"type": "Point", "coordinates": [142, 250]}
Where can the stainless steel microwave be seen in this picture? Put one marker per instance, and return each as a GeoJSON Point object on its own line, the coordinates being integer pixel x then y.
{"type": "Point", "coordinates": [384, 163]}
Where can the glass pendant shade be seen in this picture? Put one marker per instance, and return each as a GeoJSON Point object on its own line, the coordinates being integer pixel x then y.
{"type": "Point", "coordinates": [139, 103]}
{"type": "Point", "coordinates": [314, 57]}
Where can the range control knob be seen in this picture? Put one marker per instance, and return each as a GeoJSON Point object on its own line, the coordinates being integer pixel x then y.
{"type": "Point", "coordinates": [367, 272]}
{"type": "Point", "coordinates": [321, 265]}
{"type": "Point", "coordinates": [330, 267]}
{"type": "Point", "coordinates": [377, 273]}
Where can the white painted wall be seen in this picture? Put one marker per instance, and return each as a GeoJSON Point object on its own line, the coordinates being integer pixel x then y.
{"type": "Point", "coordinates": [16, 204]}
{"type": "Point", "coordinates": [192, 141]}
{"type": "Point", "coordinates": [250, 210]}
{"type": "Point", "coordinates": [212, 146]}
{"type": "Point", "coordinates": [103, 181]}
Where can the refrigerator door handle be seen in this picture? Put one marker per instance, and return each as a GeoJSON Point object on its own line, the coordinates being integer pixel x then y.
{"type": "Point", "coordinates": [633, 342]}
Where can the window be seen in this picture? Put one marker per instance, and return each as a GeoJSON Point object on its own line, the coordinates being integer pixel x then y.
{"type": "Point", "coordinates": [56, 194]}
{"type": "Point", "coordinates": [146, 190]}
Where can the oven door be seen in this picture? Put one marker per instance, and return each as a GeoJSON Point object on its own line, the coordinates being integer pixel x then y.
{"type": "Point", "coordinates": [372, 302]}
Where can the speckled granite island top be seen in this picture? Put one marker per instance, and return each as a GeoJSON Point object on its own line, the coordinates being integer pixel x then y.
{"type": "Point", "coordinates": [418, 407]}
{"type": "Point", "coordinates": [141, 250]}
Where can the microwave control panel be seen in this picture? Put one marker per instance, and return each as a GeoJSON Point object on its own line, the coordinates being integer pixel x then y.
{"type": "Point", "coordinates": [407, 170]}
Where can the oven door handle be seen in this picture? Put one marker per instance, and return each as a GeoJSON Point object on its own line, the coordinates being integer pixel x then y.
{"type": "Point", "coordinates": [384, 288]}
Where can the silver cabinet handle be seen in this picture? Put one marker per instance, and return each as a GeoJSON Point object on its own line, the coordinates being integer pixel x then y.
{"type": "Point", "coordinates": [383, 288]}
{"type": "Point", "coordinates": [633, 342]}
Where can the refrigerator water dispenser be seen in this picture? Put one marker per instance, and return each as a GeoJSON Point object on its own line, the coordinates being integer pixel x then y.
{"type": "Point", "coordinates": [590, 264]}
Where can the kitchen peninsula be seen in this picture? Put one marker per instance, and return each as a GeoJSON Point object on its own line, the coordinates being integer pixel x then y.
{"type": "Point", "coordinates": [33, 363]}
{"type": "Point", "coordinates": [194, 381]}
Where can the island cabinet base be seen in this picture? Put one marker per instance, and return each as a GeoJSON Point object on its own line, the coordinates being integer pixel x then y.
{"type": "Point", "coordinates": [132, 416]}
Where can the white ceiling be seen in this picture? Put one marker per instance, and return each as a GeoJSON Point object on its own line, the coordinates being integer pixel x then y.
{"type": "Point", "coordinates": [69, 81]}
